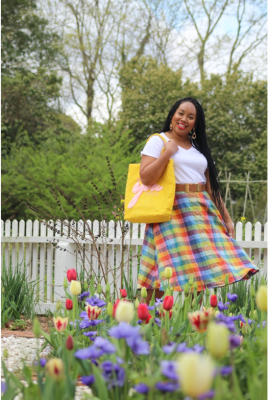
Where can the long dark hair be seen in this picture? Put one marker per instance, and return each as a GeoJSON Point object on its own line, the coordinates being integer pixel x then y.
{"type": "Point", "coordinates": [200, 143]}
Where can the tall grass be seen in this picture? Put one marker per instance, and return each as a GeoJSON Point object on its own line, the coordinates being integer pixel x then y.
{"type": "Point", "coordinates": [18, 295]}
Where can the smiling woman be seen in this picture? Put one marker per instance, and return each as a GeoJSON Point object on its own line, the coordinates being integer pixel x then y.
{"type": "Point", "coordinates": [198, 240]}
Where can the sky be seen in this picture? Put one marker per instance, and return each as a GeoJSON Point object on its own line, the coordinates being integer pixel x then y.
{"type": "Point", "coordinates": [179, 57]}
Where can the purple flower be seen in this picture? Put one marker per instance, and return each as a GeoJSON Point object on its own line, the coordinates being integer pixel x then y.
{"type": "Point", "coordinates": [234, 317]}
{"type": "Point", "coordinates": [235, 341]}
{"type": "Point", "coordinates": [169, 348]}
{"type": "Point", "coordinates": [124, 331]}
{"type": "Point", "coordinates": [263, 324]}
{"type": "Point", "coordinates": [198, 349]}
{"type": "Point", "coordinates": [227, 370]}
{"type": "Point", "coordinates": [232, 297]}
{"type": "Point", "coordinates": [158, 302]}
{"type": "Point", "coordinates": [138, 346]}
{"type": "Point", "coordinates": [105, 345]}
{"type": "Point", "coordinates": [242, 318]}
{"type": "Point", "coordinates": [227, 321]}
{"type": "Point", "coordinates": [208, 395]}
{"type": "Point", "coordinates": [113, 374]}
{"type": "Point", "coordinates": [95, 362]}
{"type": "Point", "coordinates": [83, 314]}
{"type": "Point", "coordinates": [89, 352]}
{"type": "Point", "coordinates": [158, 322]}
{"type": "Point", "coordinates": [42, 362]}
{"type": "Point", "coordinates": [222, 306]}
{"type": "Point", "coordinates": [3, 387]}
{"type": "Point", "coordinates": [88, 323]}
{"type": "Point", "coordinates": [151, 307]}
{"type": "Point", "coordinates": [90, 334]}
{"type": "Point", "coordinates": [167, 386]}
{"type": "Point", "coordinates": [95, 301]}
{"type": "Point", "coordinates": [141, 388]}
{"type": "Point", "coordinates": [182, 348]}
{"type": "Point", "coordinates": [88, 380]}
{"type": "Point", "coordinates": [168, 369]}
{"type": "Point", "coordinates": [82, 295]}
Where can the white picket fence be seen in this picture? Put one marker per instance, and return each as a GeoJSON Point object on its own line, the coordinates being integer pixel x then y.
{"type": "Point", "coordinates": [49, 249]}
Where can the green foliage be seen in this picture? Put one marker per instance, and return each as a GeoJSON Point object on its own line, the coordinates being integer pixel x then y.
{"type": "Point", "coordinates": [30, 174]}
{"type": "Point", "coordinates": [18, 324]}
{"type": "Point", "coordinates": [149, 90]}
{"type": "Point", "coordinates": [18, 295]}
{"type": "Point", "coordinates": [26, 39]}
{"type": "Point", "coordinates": [28, 117]}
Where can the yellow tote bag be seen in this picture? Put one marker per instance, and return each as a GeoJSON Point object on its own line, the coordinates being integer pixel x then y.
{"type": "Point", "coordinates": [152, 203]}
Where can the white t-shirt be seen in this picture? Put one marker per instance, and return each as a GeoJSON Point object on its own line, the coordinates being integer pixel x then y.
{"type": "Point", "coordinates": [189, 165]}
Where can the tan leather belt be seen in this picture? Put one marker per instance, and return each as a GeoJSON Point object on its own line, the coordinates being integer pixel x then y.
{"type": "Point", "coordinates": [190, 187]}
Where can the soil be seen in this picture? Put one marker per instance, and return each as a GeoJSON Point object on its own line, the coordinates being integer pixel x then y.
{"type": "Point", "coordinates": [45, 322]}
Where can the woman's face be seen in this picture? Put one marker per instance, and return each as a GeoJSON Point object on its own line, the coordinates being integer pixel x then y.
{"type": "Point", "coordinates": [183, 121]}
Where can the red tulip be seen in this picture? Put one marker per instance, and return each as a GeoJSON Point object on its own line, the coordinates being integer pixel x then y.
{"type": "Point", "coordinates": [148, 319]}
{"type": "Point", "coordinates": [123, 293]}
{"type": "Point", "coordinates": [168, 303]}
{"type": "Point", "coordinates": [115, 305]}
{"type": "Point", "coordinates": [71, 275]}
{"type": "Point", "coordinates": [213, 300]}
{"type": "Point", "coordinates": [143, 312]}
{"type": "Point", "coordinates": [69, 343]}
{"type": "Point", "coordinates": [69, 304]}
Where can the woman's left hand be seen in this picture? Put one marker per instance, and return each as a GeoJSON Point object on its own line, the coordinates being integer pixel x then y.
{"type": "Point", "coordinates": [230, 228]}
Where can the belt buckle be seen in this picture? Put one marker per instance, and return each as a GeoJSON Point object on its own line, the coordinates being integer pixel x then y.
{"type": "Point", "coordinates": [186, 188]}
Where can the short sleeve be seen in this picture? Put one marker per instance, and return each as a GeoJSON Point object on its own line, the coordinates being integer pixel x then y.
{"type": "Point", "coordinates": [153, 147]}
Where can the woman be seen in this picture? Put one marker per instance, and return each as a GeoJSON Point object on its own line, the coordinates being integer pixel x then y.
{"type": "Point", "coordinates": [199, 238]}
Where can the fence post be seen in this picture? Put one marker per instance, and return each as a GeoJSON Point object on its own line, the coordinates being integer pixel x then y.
{"type": "Point", "coordinates": [265, 250]}
{"type": "Point", "coordinates": [2, 244]}
{"type": "Point", "coordinates": [64, 259]}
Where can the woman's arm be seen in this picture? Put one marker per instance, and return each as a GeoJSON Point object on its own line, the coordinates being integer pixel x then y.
{"type": "Point", "coordinates": [152, 168]}
{"type": "Point", "coordinates": [224, 213]}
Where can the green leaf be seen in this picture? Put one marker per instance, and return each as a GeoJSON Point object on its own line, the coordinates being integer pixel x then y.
{"type": "Point", "coordinates": [100, 384]}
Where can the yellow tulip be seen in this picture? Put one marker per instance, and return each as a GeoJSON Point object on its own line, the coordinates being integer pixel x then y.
{"type": "Point", "coordinates": [217, 339]}
{"type": "Point", "coordinates": [60, 323]}
{"type": "Point", "coordinates": [191, 281]}
{"type": "Point", "coordinates": [137, 303]}
{"type": "Point", "coordinates": [168, 272]}
{"type": "Point", "coordinates": [93, 312]}
{"type": "Point", "coordinates": [195, 373]}
{"type": "Point", "coordinates": [200, 319]}
{"type": "Point", "coordinates": [261, 298]}
{"type": "Point", "coordinates": [75, 288]}
{"type": "Point", "coordinates": [110, 309]}
{"type": "Point", "coordinates": [143, 292]}
{"type": "Point", "coordinates": [55, 368]}
{"type": "Point", "coordinates": [124, 311]}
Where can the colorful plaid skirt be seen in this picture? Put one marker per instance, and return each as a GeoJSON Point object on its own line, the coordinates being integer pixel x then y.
{"type": "Point", "coordinates": [195, 242]}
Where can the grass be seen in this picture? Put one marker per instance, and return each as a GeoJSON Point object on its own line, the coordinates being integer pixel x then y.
{"type": "Point", "coordinates": [18, 296]}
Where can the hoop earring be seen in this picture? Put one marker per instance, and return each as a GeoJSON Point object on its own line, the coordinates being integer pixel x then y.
{"type": "Point", "coordinates": [193, 134]}
{"type": "Point", "coordinates": [170, 127]}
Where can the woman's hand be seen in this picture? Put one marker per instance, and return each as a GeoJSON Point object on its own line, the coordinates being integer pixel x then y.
{"type": "Point", "coordinates": [230, 228]}
{"type": "Point", "coordinates": [171, 146]}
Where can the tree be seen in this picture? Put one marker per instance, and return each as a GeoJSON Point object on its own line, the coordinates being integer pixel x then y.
{"type": "Point", "coordinates": [99, 38]}
{"type": "Point", "coordinates": [32, 174]}
{"type": "Point", "coordinates": [30, 87]}
{"type": "Point", "coordinates": [26, 41]}
{"type": "Point", "coordinates": [247, 19]}
{"type": "Point", "coordinates": [149, 89]}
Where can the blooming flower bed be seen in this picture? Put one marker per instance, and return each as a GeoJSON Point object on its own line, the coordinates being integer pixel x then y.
{"type": "Point", "coordinates": [124, 349]}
